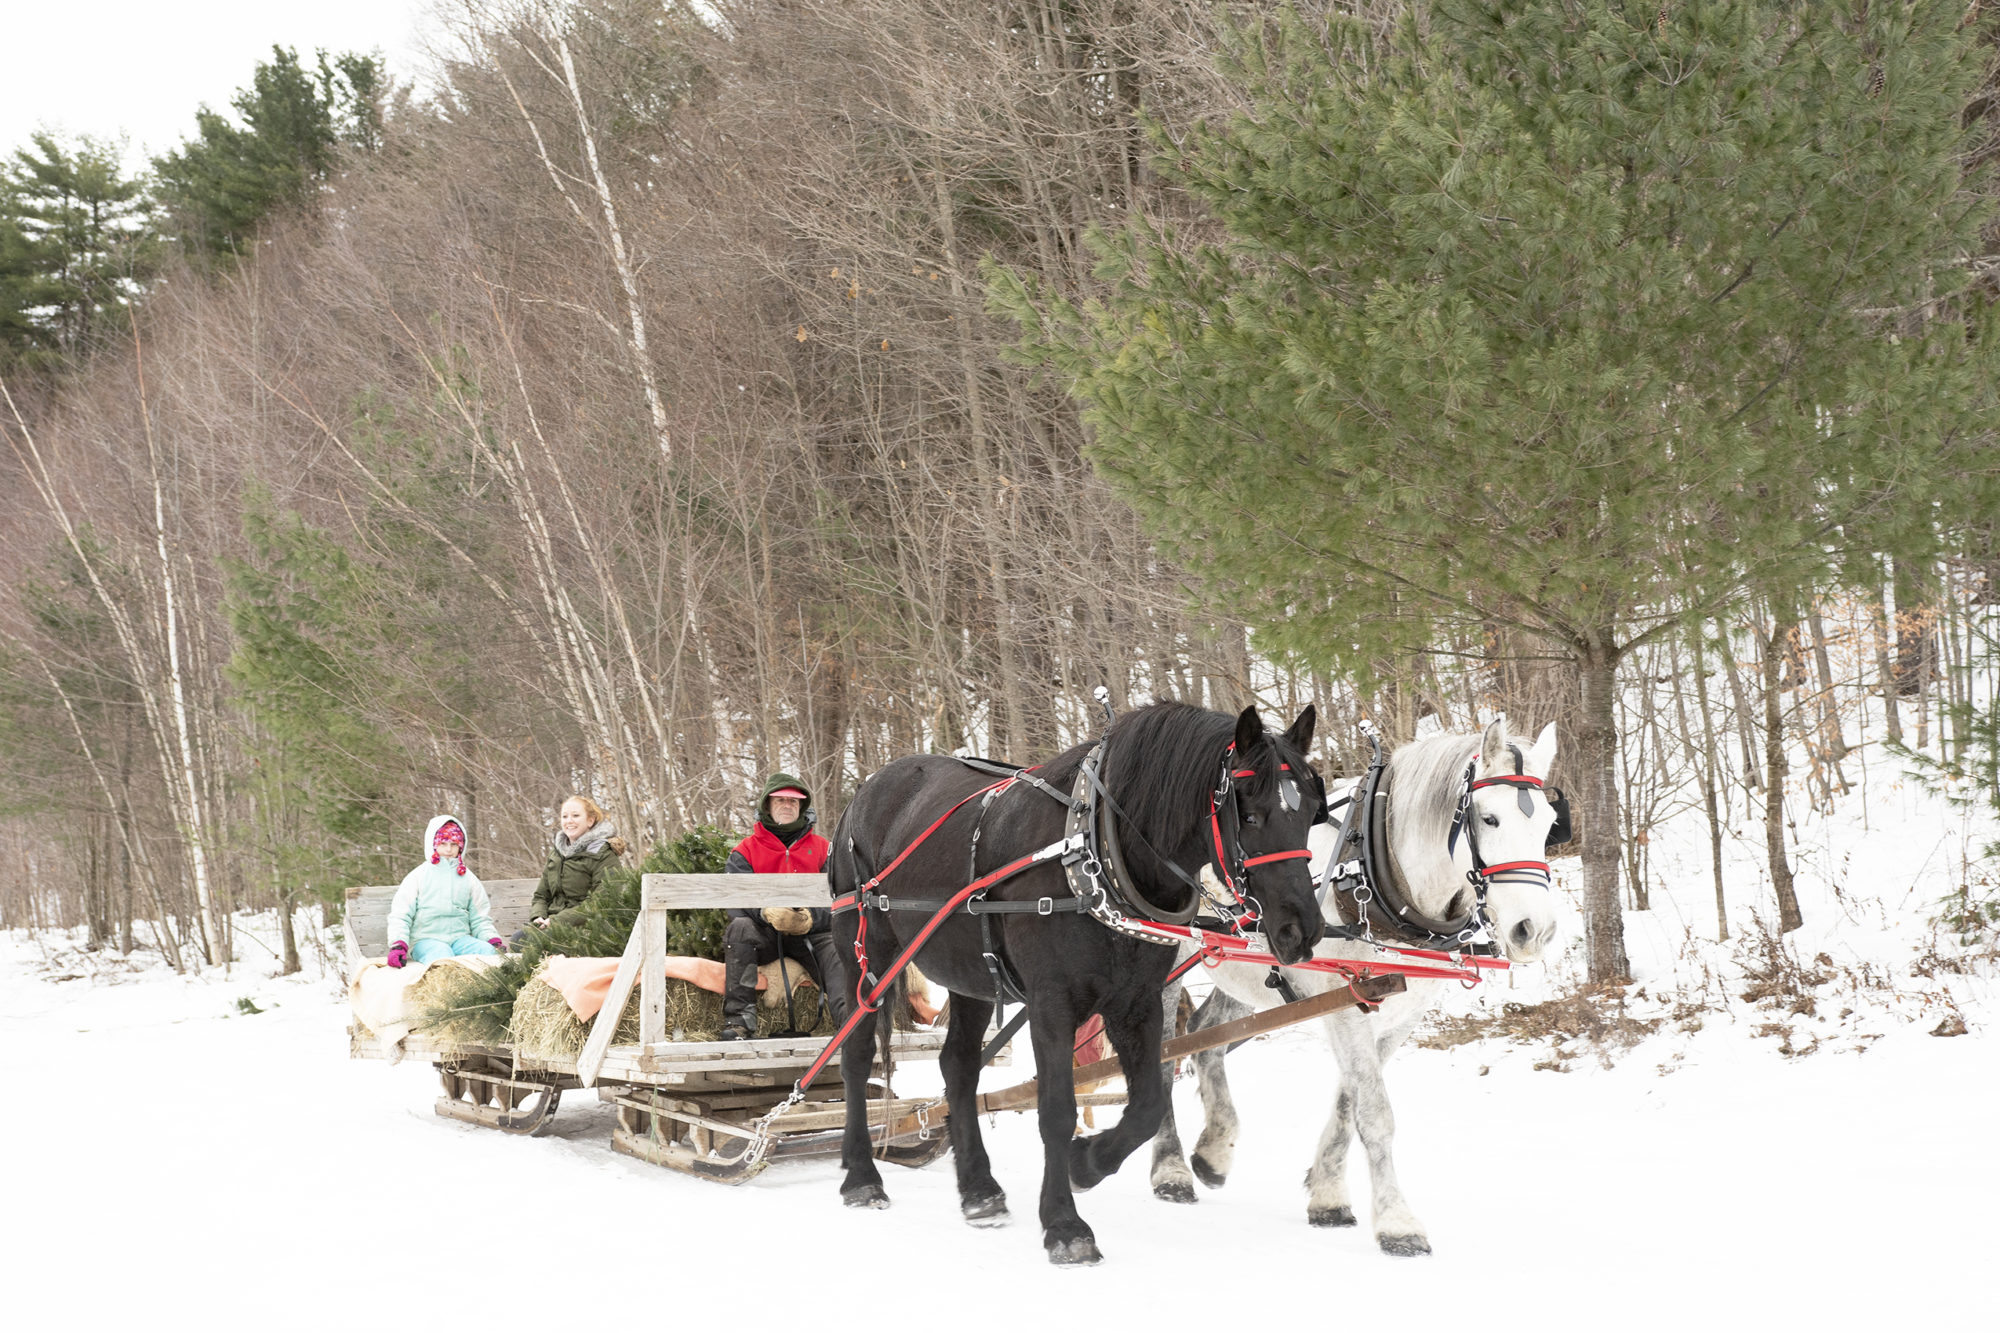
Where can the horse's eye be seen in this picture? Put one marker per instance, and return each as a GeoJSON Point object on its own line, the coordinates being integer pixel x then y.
{"type": "Point", "coordinates": [1491, 821]}
{"type": "Point", "coordinates": [1253, 819]}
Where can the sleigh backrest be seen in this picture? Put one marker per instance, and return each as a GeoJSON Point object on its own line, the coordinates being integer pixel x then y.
{"type": "Point", "coordinates": [368, 913]}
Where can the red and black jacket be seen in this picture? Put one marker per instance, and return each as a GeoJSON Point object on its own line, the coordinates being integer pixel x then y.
{"type": "Point", "coordinates": [765, 853]}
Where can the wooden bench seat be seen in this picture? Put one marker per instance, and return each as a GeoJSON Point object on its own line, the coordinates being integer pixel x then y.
{"type": "Point", "coordinates": [368, 914]}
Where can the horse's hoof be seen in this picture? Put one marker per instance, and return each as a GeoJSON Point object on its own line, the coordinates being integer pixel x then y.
{"type": "Point", "coordinates": [1207, 1174]}
{"type": "Point", "coordinates": [1076, 1252]}
{"type": "Point", "coordinates": [1342, 1216]}
{"type": "Point", "coordinates": [1174, 1191]}
{"type": "Point", "coordinates": [988, 1210]}
{"type": "Point", "coordinates": [1404, 1247]}
{"type": "Point", "coordinates": [865, 1196]}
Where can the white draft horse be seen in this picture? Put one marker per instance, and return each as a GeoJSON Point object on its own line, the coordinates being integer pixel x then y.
{"type": "Point", "coordinates": [1426, 780]}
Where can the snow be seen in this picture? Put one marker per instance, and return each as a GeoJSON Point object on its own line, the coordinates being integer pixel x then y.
{"type": "Point", "coordinates": [174, 1158]}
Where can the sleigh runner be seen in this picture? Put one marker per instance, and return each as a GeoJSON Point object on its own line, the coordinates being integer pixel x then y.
{"type": "Point", "coordinates": [690, 1106]}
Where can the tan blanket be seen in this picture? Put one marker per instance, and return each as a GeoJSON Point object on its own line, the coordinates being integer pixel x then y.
{"type": "Point", "coordinates": [383, 997]}
{"type": "Point", "coordinates": [584, 982]}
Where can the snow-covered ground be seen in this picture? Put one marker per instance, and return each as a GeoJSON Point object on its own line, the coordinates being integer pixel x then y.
{"type": "Point", "coordinates": [172, 1159]}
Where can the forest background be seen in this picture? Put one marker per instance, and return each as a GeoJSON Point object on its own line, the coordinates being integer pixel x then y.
{"type": "Point", "coordinates": [627, 411]}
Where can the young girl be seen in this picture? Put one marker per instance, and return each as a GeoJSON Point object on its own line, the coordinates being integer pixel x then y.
{"type": "Point", "coordinates": [441, 908]}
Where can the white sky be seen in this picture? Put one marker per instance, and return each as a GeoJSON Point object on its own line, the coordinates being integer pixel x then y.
{"type": "Point", "coordinates": [142, 67]}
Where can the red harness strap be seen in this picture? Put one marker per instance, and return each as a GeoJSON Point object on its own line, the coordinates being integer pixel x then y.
{"type": "Point", "coordinates": [845, 901]}
{"type": "Point", "coordinates": [1222, 856]}
{"type": "Point", "coordinates": [1510, 780]}
{"type": "Point", "coordinates": [869, 1003]}
{"type": "Point", "coordinates": [1278, 856]}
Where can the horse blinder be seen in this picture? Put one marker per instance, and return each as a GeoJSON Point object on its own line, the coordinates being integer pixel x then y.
{"type": "Point", "coordinates": [1561, 831]}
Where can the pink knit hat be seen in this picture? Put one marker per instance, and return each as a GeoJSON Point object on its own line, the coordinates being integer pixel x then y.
{"type": "Point", "coordinates": [449, 833]}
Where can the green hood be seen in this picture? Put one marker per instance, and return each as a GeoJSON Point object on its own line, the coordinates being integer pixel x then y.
{"type": "Point", "coordinates": [777, 782]}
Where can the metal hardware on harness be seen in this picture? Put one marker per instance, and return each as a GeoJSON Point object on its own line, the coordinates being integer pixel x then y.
{"type": "Point", "coordinates": [1362, 881]}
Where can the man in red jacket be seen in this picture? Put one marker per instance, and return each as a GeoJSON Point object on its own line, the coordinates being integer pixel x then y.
{"type": "Point", "coordinates": [783, 843]}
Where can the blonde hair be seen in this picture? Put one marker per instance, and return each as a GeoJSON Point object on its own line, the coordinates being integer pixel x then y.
{"type": "Point", "coordinates": [590, 807]}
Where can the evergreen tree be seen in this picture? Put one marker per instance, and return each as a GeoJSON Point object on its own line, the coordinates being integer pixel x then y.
{"type": "Point", "coordinates": [20, 336]}
{"type": "Point", "coordinates": [1572, 317]}
{"type": "Point", "coordinates": [323, 765]}
{"type": "Point", "coordinates": [75, 240]}
{"type": "Point", "coordinates": [294, 120]}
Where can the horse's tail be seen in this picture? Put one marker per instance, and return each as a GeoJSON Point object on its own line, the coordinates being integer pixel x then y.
{"type": "Point", "coordinates": [885, 1036]}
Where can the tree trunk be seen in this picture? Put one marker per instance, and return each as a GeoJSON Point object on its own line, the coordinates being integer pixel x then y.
{"type": "Point", "coordinates": [1885, 674]}
{"type": "Point", "coordinates": [1775, 769]}
{"type": "Point", "coordinates": [1604, 924]}
{"type": "Point", "coordinates": [1709, 766]}
{"type": "Point", "coordinates": [1829, 708]}
{"type": "Point", "coordinates": [1916, 635]}
{"type": "Point", "coordinates": [124, 897]}
{"type": "Point", "coordinates": [291, 937]}
{"type": "Point", "coordinates": [1744, 730]}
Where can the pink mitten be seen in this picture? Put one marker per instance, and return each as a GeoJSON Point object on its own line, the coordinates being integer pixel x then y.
{"type": "Point", "coordinates": [399, 954]}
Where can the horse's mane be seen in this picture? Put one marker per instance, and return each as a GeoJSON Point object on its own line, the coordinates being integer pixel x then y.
{"type": "Point", "coordinates": [1424, 782]}
{"type": "Point", "coordinates": [1162, 762]}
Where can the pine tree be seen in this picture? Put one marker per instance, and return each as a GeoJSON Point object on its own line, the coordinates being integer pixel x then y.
{"type": "Point", "coordinates": [1578, 318]}
{"type": "Point", "coordinates": [294, 120]}
{"type": "Point", "coordinates": [21, 338]}
{"type": "Point", "coordinates": [323, 764]}
{"type": "Point", "coordinates": [75, 242]}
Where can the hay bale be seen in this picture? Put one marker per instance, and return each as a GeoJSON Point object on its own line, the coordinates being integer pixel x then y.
{"type": "Point", "coordinates": [546, 1028]}
{"type": "Point", "coordinates": [444, 996]}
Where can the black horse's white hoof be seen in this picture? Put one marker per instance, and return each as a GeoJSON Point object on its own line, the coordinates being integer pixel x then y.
{"type": "Point", "coordinates": [1341, 1216]}
{"type": "Point", "coordinates": [1404, 1247]}
{"type": "Point", "coordinates": [1207, 1174]}
{"type": "Point", "coordinates": [1076, 1252]}
{"type": "Point", "coordinates": [988, 1210]}
{"type": "Point", "coordinates": [865, 1196]}
{"type": "Point", "coordinates": [1174, 1191]}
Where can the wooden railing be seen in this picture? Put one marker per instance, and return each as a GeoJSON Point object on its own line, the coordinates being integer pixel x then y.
{"type": "Point", "coordinates": [645, 957]}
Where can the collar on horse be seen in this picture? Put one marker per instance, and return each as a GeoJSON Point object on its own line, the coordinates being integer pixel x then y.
{"type": "Point", "coordinates": [1362, 873]}
{"type": "Point", "coordinates": [1098, 874]}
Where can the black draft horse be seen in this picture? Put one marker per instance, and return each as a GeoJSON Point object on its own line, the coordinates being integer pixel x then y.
{"type": "Point", "coordinates": [1162, 765]}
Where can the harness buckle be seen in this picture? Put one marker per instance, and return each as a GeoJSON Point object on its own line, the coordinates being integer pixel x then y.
{"type": "Point", "coordinates": [1045, 906]}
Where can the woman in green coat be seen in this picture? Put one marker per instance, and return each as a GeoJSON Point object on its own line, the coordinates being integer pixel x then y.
{"type": "Point", "coordinates": [587, 847]}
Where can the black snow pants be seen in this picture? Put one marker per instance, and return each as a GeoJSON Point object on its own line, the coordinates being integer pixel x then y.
{"type": "Point", "coordinates": [750, 941]}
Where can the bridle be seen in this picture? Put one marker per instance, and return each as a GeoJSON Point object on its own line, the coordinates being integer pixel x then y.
{"type": "Point", "coordinates": [1522, 783]}
{"type": "Point", "coordinates": [1364, 885]}
{"type": "Point", "coordinates": [1100, 877]}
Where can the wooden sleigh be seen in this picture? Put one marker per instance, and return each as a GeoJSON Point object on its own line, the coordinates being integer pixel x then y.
{"type": "Point", "coordinates": [705, 1108]}
{"type": "Point", "coordinates": [689, 1106]}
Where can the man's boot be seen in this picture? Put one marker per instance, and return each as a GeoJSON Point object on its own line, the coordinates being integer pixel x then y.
{"type": "Point", "coordinates": [739, 989]}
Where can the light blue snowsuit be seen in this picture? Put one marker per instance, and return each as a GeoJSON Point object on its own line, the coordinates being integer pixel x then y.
{"type": "Point", "coordinates": [438, 911]}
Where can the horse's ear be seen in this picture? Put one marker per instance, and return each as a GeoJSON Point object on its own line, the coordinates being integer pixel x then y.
{"type": "Point", "coordinates": [1249, 730]}
{"type": "Point", "coordinates": [1493, 748]}
{"type": "Point", "coordinates": [1300, 734]}
{"type": "Point", "coordinates": [1543, 752]}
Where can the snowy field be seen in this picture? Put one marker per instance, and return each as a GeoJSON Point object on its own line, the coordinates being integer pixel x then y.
{"type": "Point", "coordinates": [175, 1160]}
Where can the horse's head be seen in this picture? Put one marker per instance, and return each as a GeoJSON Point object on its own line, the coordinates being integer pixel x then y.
{"type": "Point", "coordinates": [1277, 800]}
{"type": "Point", "coordinates": [1506, 828]}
